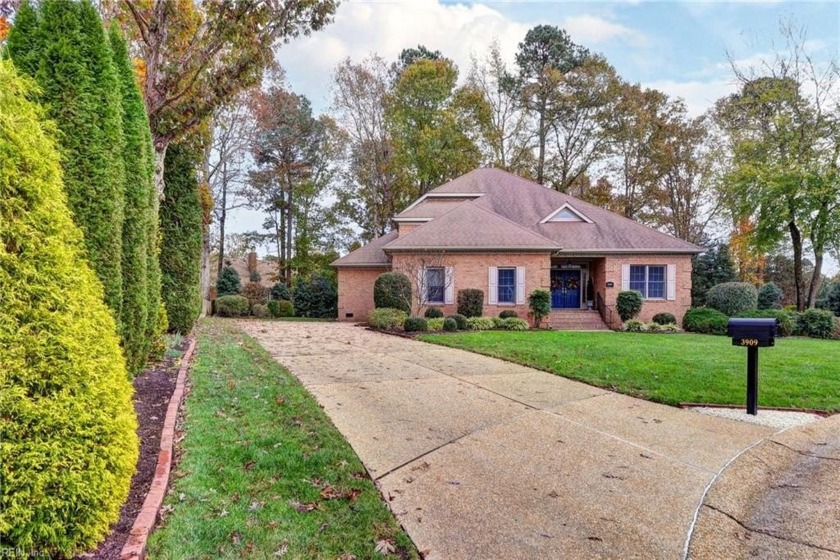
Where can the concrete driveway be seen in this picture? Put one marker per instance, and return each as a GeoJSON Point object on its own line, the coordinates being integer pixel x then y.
{"type": "Point", "coordinates": [480, 458]}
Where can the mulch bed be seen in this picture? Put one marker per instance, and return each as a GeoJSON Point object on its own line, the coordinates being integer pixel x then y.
{"type": "Point", "coordinates": [152, 391]}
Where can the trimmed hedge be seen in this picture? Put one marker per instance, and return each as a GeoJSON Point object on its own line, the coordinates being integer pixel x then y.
{"type": "Point", "coordinates": [816, 323]}
{"type": "Point", "coordinates": [260, 310]}
{"type": "Point", "coordinates": [450, 325]}
{"type": "Point", "coordinates": [181, 230]}
{"type": "Point", "coordinates": [67, 425]}
{"type": "Point", "coordinates": [480, 323]}
{"type": "Point", "coordinates": [460, 321]}
{"type": "Point", "coordinates": [435, 324]}
{"type": "Point", "coordinates": [769, 297]}
{"type": "Point", "coordinates": [508, 314]}
{"type": "Point", "coordinates": [386, 318]}
{"type": "Point", "coordinates": [415, 324]}
{"type": "Point", "coordinates": [392, 290]}
{"type": "Point", "coordinates": [513, 324]}
{"type": "Point", "coordinates": [433, 313]}
{"type": "Point", "coordinates": [785, 320]}
{"type": "Point", "coordinates": [281, 308]}
{"type": "Point", "coordinates": [705, 320]}
{"type": "Point", "coordinates": [628, 304]}
{"type": "Point", "coordinates": [664, 319]}
{"type": "Point", "coordinates": [229, 284]}
{"type": "Point", "coordinates": [731, 298]}
{"type": "Point", "coordinates": [232, 306]}
{"type": "Point", "coordinates": [470, 302]}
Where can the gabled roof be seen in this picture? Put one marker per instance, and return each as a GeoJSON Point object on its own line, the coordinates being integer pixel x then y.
{"type": "Point", "coordinates": [470, 227]}
{"type": "Point", "coordinates": [493, 209]}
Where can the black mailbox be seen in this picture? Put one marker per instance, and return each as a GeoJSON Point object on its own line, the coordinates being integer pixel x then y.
{"type": "Point", "coordinates": [753, 333]}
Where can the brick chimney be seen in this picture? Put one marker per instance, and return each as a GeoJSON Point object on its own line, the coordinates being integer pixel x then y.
{"type": "Point", "coordinates": [252, 262]}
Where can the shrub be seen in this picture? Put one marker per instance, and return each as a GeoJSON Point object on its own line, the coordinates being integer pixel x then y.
{"type": "Point", "coordinates": [664, 319]}
{"type": "Point", "coordinates": [281, 308]}
{"type": "Point", "coordinates": [731, 298]}
{"type": "Point", "coordinates": [508, 313]}
{"type": "Point", "coordinates": [260, 310]}
{"type": "Point", "coordinates": [480, 323]}
{"type": "Point", "coordinates": [836, 333]}
{"type": "Point", "coordinates": [635, 325]}
{"type": "Point", "coordinates": [460, 321]}
{"type": "Point", "coordinates": [232, 306]}
{"type": "Point", "coordinates": [628, 304]}
{"type": "Point", "coordinates": [254, 276]}
{"type": "Point", "coordinates": [386, 318]}
{"type": "Point", "coordinates": [816, 323]}
{"type": "Point", "coordinates": [785, 320]}
{"type": "Point", "coordinates": [470, 302]}
{"type": "Point", "coordinates": [513, 324]}
{"type": "Point", "coordinates": [433, 313]}
{"type": "Point", "coordinates": [415, 324]}
{"type": "Point", "coordinates": [705, 320]}
{"type": "Point", "coordinates": [255, 293]}
{"type": "Point", "coordinates": [832, 298]}
{"type": "Point", "coordinates": [435, 324]}
{"type": "Point", "coordinates": [68, 443]}
{"type": "Point", "coordinates": [315, 297]}
{"type": "Point", "coordinates": [157, 347]}
{"type": "Point", "coordinates": [393, 290]}
{"type": "Point", "coordinates": [540, 304]}
{"type": "Point", "coordinates": [228, 283]}
{"type": "Point", "coordinates": [769, 297]}
{"type": "Point", "coordinates": [181, 216]}
{"type": "Point", "coordinates": [280, 291]}
{"type": "Point", "coordinates": [450, 325]}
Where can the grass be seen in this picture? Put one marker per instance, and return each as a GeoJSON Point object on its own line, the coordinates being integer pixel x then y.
{"type": "Point", "coordinates": [264, 474]}
{"type": "Point", "coordinates": [674, 368]}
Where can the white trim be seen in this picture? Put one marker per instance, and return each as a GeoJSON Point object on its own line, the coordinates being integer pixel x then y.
{"type": "Point", "coordinates": [449, 286]}
{"type": "Point", "coordinates": [570, 208]}
{"type": "Point", "coordinates": [413, 220]}
{"type": "Point", "coordinates": [671, 282]}
{"type": "Point", "coordinates": [441, 195]}
{"type": "Point", "coordinates": [625, 277]}
{"type": "Point", "coordinates": [493, 285]}
{"type": "Point", "coordinates": [520, 285]}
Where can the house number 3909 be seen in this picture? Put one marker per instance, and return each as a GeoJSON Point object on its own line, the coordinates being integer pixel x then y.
{"type": "Point", "coordinates": [749, 342]}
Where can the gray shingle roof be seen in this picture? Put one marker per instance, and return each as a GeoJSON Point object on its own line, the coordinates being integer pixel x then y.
{"type": "Point", "coordinates": [369, 255]}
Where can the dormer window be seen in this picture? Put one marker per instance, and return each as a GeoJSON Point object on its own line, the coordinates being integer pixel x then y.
{"type": "Point", "coordinates": [566, 213]}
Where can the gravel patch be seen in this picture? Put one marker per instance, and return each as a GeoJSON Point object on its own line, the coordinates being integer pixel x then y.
{"type": "Point", "coordinates": [781, 419]}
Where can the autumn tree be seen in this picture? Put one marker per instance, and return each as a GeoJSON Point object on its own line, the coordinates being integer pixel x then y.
{"type": "Point", "coordinates": [198, 55]}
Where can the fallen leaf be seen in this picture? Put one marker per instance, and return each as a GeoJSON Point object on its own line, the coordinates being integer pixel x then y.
{"type": "Point", "coordinates": [249, 465]}
{"type": "Point", "coordinates": [553, 494]}
{"type": "Point", "coordinates": [272, 524]}
{"type": "Point", "coordinates": [303, 508]}
{"type": "Point", "coordinates": [235, 538]}
{"type": "Point", "coordinates": [223, 513]}
{"type": "Point", "coordinates": [255, 506]}
{"type": "Point", "coordinates": [330, 493]}
{"type": "Point", "coordinates": [385, 546]}
{"type": "Point", "coordinates": [284, 548]}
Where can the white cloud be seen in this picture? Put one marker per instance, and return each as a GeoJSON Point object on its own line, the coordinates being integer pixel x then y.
{"type": "Point", "coordinates": [592, 30]}
{"type": "Point", "coordinates": [698, 95]}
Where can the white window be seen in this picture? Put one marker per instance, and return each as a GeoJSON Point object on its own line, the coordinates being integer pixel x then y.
{"type": "Point", "coordinates": [653, 281]}
{"type": "Point", "coordinates": [506, 285]}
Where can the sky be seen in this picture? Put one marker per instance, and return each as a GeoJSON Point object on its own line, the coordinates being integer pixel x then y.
{"type": "Point", "coordinates": [681, 48]}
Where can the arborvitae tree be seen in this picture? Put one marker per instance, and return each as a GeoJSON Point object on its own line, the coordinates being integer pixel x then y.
{"type": "Point", "coordinates": [139, 193]}
{"type": "Point", "coordinates": [67, 425]}
{"type": "Point", "coordinates": [228, 283]}
{"type": "Point", "coordinates": [181, 227]}
{"type": "Point", "coordinates": [64, 47]}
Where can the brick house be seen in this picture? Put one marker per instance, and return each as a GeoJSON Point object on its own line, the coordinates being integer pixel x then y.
{"type": "Point", "coordinates": [508, 236]}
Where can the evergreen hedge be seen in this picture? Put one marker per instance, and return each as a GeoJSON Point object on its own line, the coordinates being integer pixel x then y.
{"type": "Point", "coordinates": [315, 297]}
{"type": "Point", "coordinates": [180, 226]}
{"type": "Point", "coordinates": [64, 47]}
{"type": "Point", "coordinates": [67, 425]}
{"type": "Point", "coordinates": [731, 298]}
{"type": "Point", "coordinates": [392, 290]}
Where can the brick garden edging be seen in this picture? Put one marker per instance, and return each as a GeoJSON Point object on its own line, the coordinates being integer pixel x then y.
{"type": "Point", "coordinates": [135, 546]}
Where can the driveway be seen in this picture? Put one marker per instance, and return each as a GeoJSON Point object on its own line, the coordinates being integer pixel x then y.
{"type": "Point", "coordinates": [480, 458]}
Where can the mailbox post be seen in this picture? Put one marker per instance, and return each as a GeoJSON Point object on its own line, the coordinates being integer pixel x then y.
{"type": "Point", "coordinates": [752, 334]}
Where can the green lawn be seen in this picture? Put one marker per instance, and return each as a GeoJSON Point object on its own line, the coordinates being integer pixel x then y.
{"type": "Point", "coordinates": [264, 474]}
{"type": "Point", "coordinates": [675, 368]}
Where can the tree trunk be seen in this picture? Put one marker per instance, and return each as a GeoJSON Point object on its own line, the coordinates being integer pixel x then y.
{"type": "Point", "coordinates": [541, 156]}
{"type": "Point", "coordinates": [160, 158]}
{"type": "Point", "coordinates": [796, 240]}
{"type": "Point", "coordinates": [289, 236]}
{"type": "Point", "coordinates": [222, 219]}
{"type": "Point", "coordinates": [816, 279]}
{"type": "Point", "coordinates": [205, 274]}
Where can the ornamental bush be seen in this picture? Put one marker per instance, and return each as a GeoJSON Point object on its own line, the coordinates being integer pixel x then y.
{"type": "Point", "coordinates": [832, 298]}
{"type": "Point", "coordinates": [260, 310]}
{"type": "Point", "coordinates": [664, 319]}
{"type": "Point", "coordinates": [628, 304]}
{"type": "Point", "coordinates": [435, 324]}
{"type": "Point", "coordinates": [480, 323]}
{"type": "Point", "coordinates": [393, 290]}
{"type": "Point", "coordinates": [68, 443]}
{"type": "Point", "coordinates": [280, 291]}
{"type": "Point", "coordinates": [731, 298]}
{"type": "Point", "coordinates": [449, 325]}
{"type": "Point", "coordinates": [705, 320]}
{"type": "Point", "coordinates": [181, 216]}
{"type": "Point", "coordinates": [785, 320]}
{"type": "Point", "coordinates": [232, 306]}
{"type": "Point", "coordinates": [386, 318]}
{"type": "Point", "coordinates": [315, 297]}
{"type": "Point", "coordinates": [508, 313]}
{"type": "Point", "coordinates": [470, 302]}
{"type": "Point", "coordinates": [513, 324]}
{"type": "Point", "coordinates": [229, 284]}
{"type": "Point", "coordinates": [634, 325]}
{"type": "Point", "coordinates": [255, 293]}
{"type": "Point", "coordinates": [460, 321]}
{"type": "Point", "coordinates": [769, 296]}
{"type": "Point", "coordinates": [415, 324]}
{"type": "Point", "coordinates": [540, 304]}
{"type": "Point", "coordinates": [816, 323]}
{"type": "Point", "coordinates": [281, 308]}
{"type": "Point", "coordinates": [433, 313]}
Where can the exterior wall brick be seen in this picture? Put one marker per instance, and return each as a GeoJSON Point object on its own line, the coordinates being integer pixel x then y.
{"type": "Point", "coordinates": [355, 292]}
{"type": "Point", "coordinates": [470, 271]}
{"type": "Point", "coordinates": [609, 270]}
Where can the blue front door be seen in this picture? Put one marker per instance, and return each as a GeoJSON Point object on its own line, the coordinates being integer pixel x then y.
{"type": "Point", "coordinates": [565, 289]}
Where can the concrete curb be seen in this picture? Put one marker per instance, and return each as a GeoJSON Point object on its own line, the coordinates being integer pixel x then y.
{"type": "Point", "coordinates": [135, 546]}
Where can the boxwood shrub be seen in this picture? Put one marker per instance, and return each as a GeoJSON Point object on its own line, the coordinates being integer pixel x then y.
{"type": "Point", "coordinates": [450, 325]}
{"type": "Point", "coordinates": [508, 313]}
{"type": "Point", "coordinates": [68, 443]}
{"type": "Point", "coordinates": [705, 320]}
{"type": "Point", "coordinates": [415, 324]}
{"type": "Point", "coordinates": [731, 298]}
{"type": "Point", "coordinates": [260, 310]}
{"type": "Point", "coordinates": [232, 306]}
{"type": "Point", "coordinates": [628, 304]}
{"type": "Point", "coordinates": [470, 302]}
{"type": "Point", "coordinates": [460, 321]}
{"type": "Point", "coordinates": [281, 308]}
{"type": "Point", "coordinates": [785, 320]}
{"type": "Point", "coordinates": [435, 324]}
{"type": "Point", "coordinates": [816, 323]}
{"type": "Point", "coordinates": [433, 313]}
{"type": "Point", "coordinates": [664, 319]}
{"type": "Point", "coordinates": [393, 290]}
{"type": "Point", "coordinates": [386, 318]}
